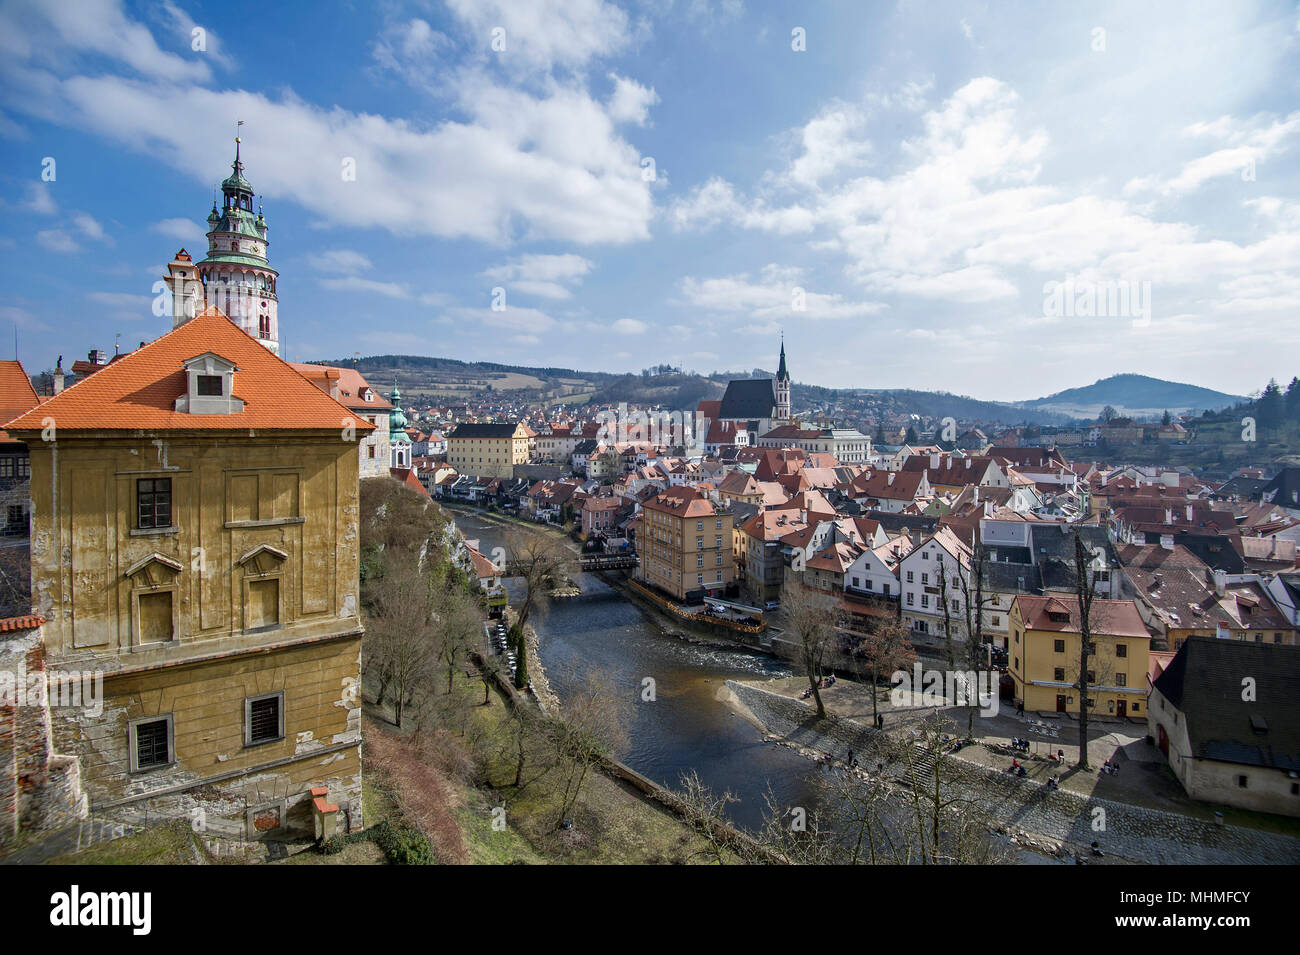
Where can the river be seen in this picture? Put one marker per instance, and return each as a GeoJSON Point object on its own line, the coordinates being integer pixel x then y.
{"type": "Point", "coordinates": [686, 727]}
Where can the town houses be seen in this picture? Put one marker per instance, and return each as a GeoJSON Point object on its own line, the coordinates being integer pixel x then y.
{"type": "Point", "coordinates": [183, 519]}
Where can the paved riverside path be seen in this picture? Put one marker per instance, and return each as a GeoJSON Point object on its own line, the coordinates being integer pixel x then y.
{"type": "Point", "coordinates": [1024, 805]}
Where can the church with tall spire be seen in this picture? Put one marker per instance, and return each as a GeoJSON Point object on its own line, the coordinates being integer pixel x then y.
{"type": "Point", "coordinates": [236, 275]}
{"type": "Point", "coordinates": [751, 406]}
{"type": "Point", "coordinates": [782, 387]}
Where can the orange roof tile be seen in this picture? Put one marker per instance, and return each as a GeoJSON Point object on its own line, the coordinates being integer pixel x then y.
{"type": "Point", "coordinates": [16, 392]}
{"type": "Point", "coordinates": [139, 391]}
{"type": "Point", "coordinates": [352, 385]}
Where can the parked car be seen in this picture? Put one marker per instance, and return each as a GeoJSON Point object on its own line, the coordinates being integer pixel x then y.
{"type": "Point", "coordinates": [772, 605]}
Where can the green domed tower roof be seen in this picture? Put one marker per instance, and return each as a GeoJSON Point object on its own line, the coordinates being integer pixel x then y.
{"type": "Point", "coordinates": [397, 420]}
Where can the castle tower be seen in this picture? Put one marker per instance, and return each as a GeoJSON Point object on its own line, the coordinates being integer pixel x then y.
{"type": "Point", "coordinates": [782, 387]}
{"type": "Point", "coordinates": [235, 276]}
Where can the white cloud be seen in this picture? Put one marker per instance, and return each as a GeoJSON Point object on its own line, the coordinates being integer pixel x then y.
{"type": "Point", "coordinates": [183, 27]}
{"type": "Point", "coordinates": [345, 261]}
{"type": "Point", "coordinates": [717, 201]}
{"type": "Point", "coordinates": [182, 230]}
{"type": "Point", "coordinates": [541, 164]}
{"type": "Point", "coordinates": [120, 298]}
{"type": "Point", "coordinates": [777, 294]}
{"type": "Point", "coordinates": [832, 142]}
{"type": "Point", "coordinates": [630, 102]}
{"type": "Point", "coordinates": [1245, 143]}
{"type": "Point", "coordinates": [629, 326]}
{"type": "Point", "coordinates": [354, 283]}
{"type": "Point", "coordinates": [89, 227]}
{"type": "Point", "coordinates": [12, 315]}
{"type": "Point", "coordinates": [544, 33]}
{"type": "Point", "coordinates": [40, 199]}
{"type": "Point", "coordinates": [512, 317]}
{"type": "Point", "coordinates": [48, 33]}
{"type": "Point", "coordinates": [545, 276]}
{"type": "Point", "coordinates": [56, 240]}
{"type": "Point", "coordinates": [413, 50]}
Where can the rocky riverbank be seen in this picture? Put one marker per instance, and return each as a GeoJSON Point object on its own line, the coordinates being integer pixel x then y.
{"type": "Point", "coordinates": [1056, 822]}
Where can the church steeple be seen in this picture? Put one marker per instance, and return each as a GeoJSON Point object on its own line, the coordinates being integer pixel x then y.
{"type": "Point", "coordinates": [399, 442]}
{"type": "Point", "coordinates": [782, 386]}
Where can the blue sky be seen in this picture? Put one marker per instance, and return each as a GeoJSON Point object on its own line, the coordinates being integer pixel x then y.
{"type": "Point", "coordinates": [897, 195]}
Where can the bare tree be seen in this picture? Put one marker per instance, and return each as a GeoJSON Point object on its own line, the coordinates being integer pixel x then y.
{"type": "Point", "coordinates": [539, 562]}
{"type": "Point", "coordinates": [943, 825]}
{"type": "Point", "coordinates": [706, 811]}
{"type": "Point", "coordinates": [459, 621]}
{"type": "Point", "coordinates": [948, 645]}
{"type": "Point", "coordinates": [400, 648]}
{"type": "Point", "coordinates": [975, 603]}
{"type": "Point", "coordinates": [885, 649]}
{"type": "Point", "coordinates": [1085, 591]}
{"type": "Point", "coordinates": [810, 618]}
{"type": "Point", "coordinates": [593, 727]}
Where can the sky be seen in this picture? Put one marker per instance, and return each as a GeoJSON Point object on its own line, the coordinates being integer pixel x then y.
{"type": "Point", "coordinates": [1002, 200]}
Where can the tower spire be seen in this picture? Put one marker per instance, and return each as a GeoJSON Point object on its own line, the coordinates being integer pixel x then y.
{"type": "Point", "coordinates": [782, 385]}
{"type": "Point", "coordinates": [235, 276]}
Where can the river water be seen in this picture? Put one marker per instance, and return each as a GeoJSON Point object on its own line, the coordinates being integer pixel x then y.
{"type": "Point", "coordinates": [686, 727]}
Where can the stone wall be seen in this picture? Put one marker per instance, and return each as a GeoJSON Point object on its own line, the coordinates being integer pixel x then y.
{"type": "Point", "coordinates": [40, 788]}
{"type": "Point", "coordinates": [215, 779]}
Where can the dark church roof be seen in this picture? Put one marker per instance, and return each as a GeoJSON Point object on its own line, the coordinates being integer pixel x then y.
{"type": "Point", "coordinates": [1204, 682]}
{"type": "Point", "coordinates": [484, 429]}
{"type": "Point", "coordinates": [749, 399]}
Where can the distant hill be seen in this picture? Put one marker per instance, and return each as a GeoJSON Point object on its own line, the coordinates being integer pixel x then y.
{"type": "Point", "coordinates": [448, 378]}
{"type": "Point", "coordinates": [1134, 396]}
{"type": "Point", "coordinates": [942, 404]}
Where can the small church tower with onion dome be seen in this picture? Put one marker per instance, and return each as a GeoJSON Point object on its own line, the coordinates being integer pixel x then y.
{"type": "Point", "coordinates": [235, 276]}
{"type": "Point", "coordinates": [398, 440]}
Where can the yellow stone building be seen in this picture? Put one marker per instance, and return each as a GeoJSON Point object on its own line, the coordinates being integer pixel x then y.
{"type": "Point", "coordinates": [684, 543]}
{"type": "Point", "coordinates": [195, 540]}
{"type": "Point", "coordinates": [1044, 655]}
{"type": "Point", "coordinates": [490, 449]}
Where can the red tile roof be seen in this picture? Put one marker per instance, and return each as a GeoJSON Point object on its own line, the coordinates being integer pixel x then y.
{"type": "Point", "coordinates": [16, 393]}
{"type": "Point", "coordinates": [139, 391]}
{"type": "Point", "coordinates": [1112, 618]}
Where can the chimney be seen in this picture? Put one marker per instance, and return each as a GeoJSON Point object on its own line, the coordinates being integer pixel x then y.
{"type": "Point", "coordinates": [58, 376]}
{"type": "Point", "coordinates": [1169, 515]}
{"type": "Point", "coordinates": [891, 478]}
{"type": "Point", "coordinates": [1189, 512]}
{"type": "Point", "coordinates": [1220, 582]}
{"type": "Point", "coordinates": [934, 461]}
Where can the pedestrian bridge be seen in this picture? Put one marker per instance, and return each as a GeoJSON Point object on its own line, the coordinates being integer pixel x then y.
{"type": "Point", "coordinates": [588, 563]}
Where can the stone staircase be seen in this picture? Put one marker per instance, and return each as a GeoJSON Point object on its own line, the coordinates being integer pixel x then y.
{"type": "Point", "coordinates": [921, 772]}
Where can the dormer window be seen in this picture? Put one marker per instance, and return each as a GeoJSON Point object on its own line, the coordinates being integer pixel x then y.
{"type": "Point", "coordinates": [209, 386]}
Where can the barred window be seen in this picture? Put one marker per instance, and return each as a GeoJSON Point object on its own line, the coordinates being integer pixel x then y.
{"type": "Point", "coordinates": [154, 502]}
{"type": "Point", "coordinates": [264, 719]}
{"type": "Point", "coordinates": [151, 743]}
